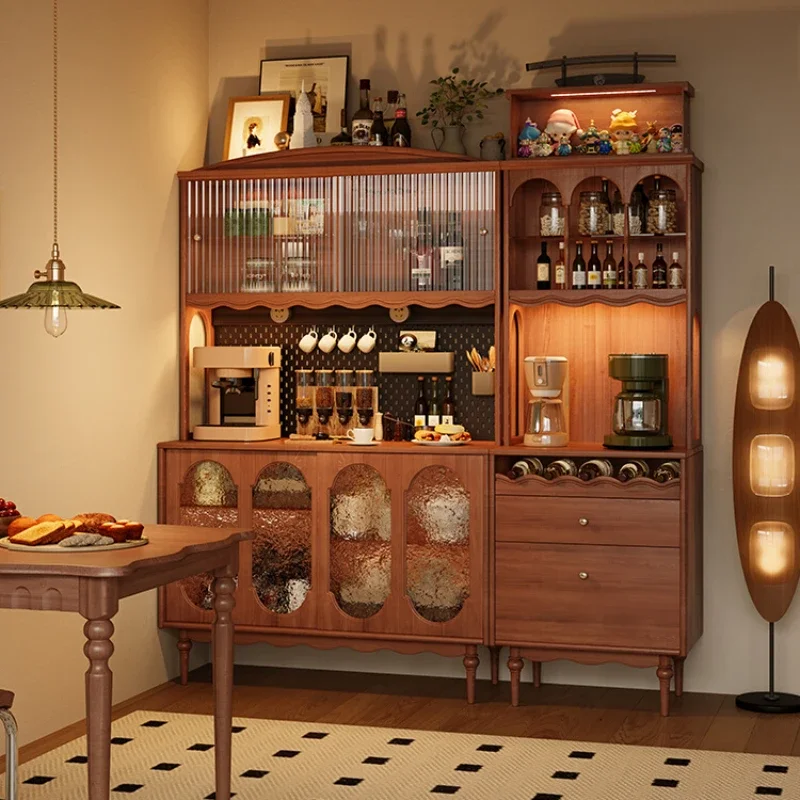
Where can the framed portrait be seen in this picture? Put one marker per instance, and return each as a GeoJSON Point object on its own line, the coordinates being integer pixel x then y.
{"type": "Point", "coordinates": [325, 81]}
{"type": "Point", "coordinates": [253, 123]}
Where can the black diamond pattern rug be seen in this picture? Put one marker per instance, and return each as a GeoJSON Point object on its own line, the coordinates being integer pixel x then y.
{"type": "Point", "coordinates": [159, 756]}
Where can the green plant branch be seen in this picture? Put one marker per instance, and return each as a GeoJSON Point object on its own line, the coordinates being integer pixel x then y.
{"type": "Point", "coordinates": [456, 100]}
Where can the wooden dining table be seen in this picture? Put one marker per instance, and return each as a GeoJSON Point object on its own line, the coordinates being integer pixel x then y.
{"type": "Point", "coordinates": [93, 583]}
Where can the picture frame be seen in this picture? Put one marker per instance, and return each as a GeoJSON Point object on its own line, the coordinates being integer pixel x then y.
{"type": "Point", "coordinates": [325, 78]}
{"type": "Point", "coordinates": [253, 123]}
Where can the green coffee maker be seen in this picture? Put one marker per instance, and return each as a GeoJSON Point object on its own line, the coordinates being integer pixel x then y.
{"type": "Point", "coordinates": [639, 418]}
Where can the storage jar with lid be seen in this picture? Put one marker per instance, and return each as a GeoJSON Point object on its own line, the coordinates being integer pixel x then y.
{"type": "Point", "coordinates": [662, 212]}
{"type": "Point", "coordinates": [551, 215]}
{"type": "Point", "coordinates": [593, 214]}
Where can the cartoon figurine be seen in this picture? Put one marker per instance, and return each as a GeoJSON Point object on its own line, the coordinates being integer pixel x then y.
{"type": "Point", "coordinates": [527, 136]}
{"type": "Point", "coordinates": [623, 126]}
{"type": "Point", "coordinates": [664, 144]}
{"type": "Point", "coordinates": [635, 144]}
{"type": "Point", "coordinates": [649, 138]}
{"type": "Point", "coordinates": [543, 146]}
{"type": "Point", "coordinates": [676, 136]}
{"type": "Point", "coordinates": [590, 141]}
{"type": "Point", "coordinates": [605, 147]}
{"type": "Point", "coordinates": [564, 147]}
{"type": "Point", "coordinates": [562, 121]}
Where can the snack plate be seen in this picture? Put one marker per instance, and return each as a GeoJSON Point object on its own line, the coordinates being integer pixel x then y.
{"type": "Point", "coordinates": [440, 443]}
{"type": "Point", "coordinates": [56, 548]}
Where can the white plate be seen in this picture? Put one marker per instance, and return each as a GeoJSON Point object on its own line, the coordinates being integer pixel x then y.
{"type": "Point", "coordinates": [56, 548]}
{"type": "Point", "coordinates": [440, 443]}
{"type": "Point", "coordinates": [363, 444]}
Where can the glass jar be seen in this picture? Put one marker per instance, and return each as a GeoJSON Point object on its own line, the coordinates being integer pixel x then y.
{"type": "Point", "coordinates": [259, 275]}
{"type": "Point", "coordinates": [365, 395]}
{"type": "Point", "coordinates": [344, 391]}
{"type": "Point", "coordinates": [662, 212]}
{"type": "Point", "coordinates": [324, 394]}
{"type": "Point", "coordinates": [304, 394]}
{"type": "Point", "coordinates": [593, 214]}
{"type": "Point", "coordinates": [551, 215]}
{"type": "Point", "coordinates": [618, 215]}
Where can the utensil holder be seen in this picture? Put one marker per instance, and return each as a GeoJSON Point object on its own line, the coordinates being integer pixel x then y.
{"type": "Point", "coordinates": [483, 383]}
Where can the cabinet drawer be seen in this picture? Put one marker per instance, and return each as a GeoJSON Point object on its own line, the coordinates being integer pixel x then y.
{"type": "Point", "coordinates": [587, 595]}
{"type": "Point", "coordinates": [653, 523]}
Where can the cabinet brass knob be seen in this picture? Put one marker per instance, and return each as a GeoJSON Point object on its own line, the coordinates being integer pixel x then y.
{"type": "Point", "coordinates": [583, 575]}
{"type": "Point", "coordinates": [483, 231]}
{"type": "Point", "coordinates": [197, 237]}
{"type": "Point", "coordinates": [583, 521]}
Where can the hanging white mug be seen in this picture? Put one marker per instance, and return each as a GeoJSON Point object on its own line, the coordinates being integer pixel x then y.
{"type": "Point", "coordinates": [367, 342]}
{"type": "Point", "coordinates": [328, 341]}
{"type": "Point", "coordinates": [348, 341]}
{"type": "Point", "coordinates": [308, 342]}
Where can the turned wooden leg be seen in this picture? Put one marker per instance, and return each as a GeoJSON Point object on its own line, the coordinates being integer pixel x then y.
{"type": "Point", "coordinates": [515, 665]}
{"type": "Point", "coordinates": [98, 604]}
{"type": "Point", "coordinates": [664, 673]}
{"type": "Point", "coordinates": [471, 662]}
{"type": "Point", "coordinates": [185, 649]}
{"type": "Point", "coordinates": [678, 664]}
{"type": "Point", "coordinates": [222, 647]}
{"type": "Point", "coordinates": [537, 673]}
{"type": "Point", "coordinates": [494, 654]}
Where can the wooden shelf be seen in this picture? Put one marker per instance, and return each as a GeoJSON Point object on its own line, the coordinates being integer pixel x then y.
{"type": "Point", "coordinates": [609, 297]}
{"type": "Point", "coordinates": [328, 446]}
{"type": "Point", "coordinates": [588, 450]}
{"type": "Point", "coordinates": [320, 300]}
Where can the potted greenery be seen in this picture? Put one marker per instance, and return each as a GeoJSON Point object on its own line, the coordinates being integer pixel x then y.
{"type": "Point", "coordinates": [453, 102]}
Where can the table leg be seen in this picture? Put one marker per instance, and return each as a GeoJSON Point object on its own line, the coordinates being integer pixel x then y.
{"type": "Point", "coordinates": [222, 654]}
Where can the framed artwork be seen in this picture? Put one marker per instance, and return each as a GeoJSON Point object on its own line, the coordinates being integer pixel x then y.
{"type": "Point", "coordinates": [253, 123]}
{"type": "Point", "coordinates": [325, 81]}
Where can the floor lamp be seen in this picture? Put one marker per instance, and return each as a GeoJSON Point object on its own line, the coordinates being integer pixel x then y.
{"type": "Point", "coordinates": [766, 426]}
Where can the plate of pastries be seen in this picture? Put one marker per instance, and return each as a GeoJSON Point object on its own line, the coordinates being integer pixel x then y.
{"type": "Point", "coordinates": [81, 533]}
{"type": "Point", "coordinates": [444, 435]}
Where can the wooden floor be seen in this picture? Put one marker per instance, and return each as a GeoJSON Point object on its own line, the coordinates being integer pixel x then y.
{"type": "Point", "coordinates": [623, 716]}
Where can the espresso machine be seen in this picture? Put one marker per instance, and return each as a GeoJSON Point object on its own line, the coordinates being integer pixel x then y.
{"type": "Point", "coordinates": [639, 418]}
{"type": "Point", "coordinates": [547, 420]}
{"type": "Point", "coordinates": [243, 393]}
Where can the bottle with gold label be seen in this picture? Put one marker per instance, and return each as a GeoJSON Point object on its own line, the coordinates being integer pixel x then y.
{"type": "Point", "coordinates": [543, 269]}
{"type": "Point", "coordinates": [641, 275]}
{"type": "Point", "coordinates": [560, 269]}
{"type": "Point", "coordinates": [675, 273]}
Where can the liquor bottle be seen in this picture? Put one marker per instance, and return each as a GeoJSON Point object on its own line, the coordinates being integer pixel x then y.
{"type": "Point", "coordinates": [421, 406]}
{"type": "Point", "coordinates": [556, 469]}
{"type": "Point", "coordinates": [449, 405]}
{"type": "Point", "coordinates": [390, 111]}
{"type": "Point", "coordinates": [422, 254]}
{"type": "Point", "coordinates": [607, 201]}
{"type": "Point", "coordinates": [543, 269]}
{"type": "Point", "coordinates": [343, 137]}
{"type": "Point", "coordinates": [578, 268]}
{"type": "Point", "coordinates": [595, 468]}
{"type": "Point", "coordinates": [401, 130]}
{"type": "Point", "coordinates": [668, 471]}
{"type": "Point", "coordinates": [640, 274]}
{"type": "Point", "coordinates": [451, 255]}
{"type": "Point", "coordinates": [560, 269]}
{"type": "Point", "coordinates": [525, 466]}
{"type": "Point", "coordinates": [633, 469]}
{"type": "Point", "coordinates": [624, 274]}
{"type": "Point", "coordinates": [378, 136]}
{"type": "Point", "coordinates": [609, 268]}
{"type": "Point", "coordinates": [675, 273]}
{"type": "Point", "coordinates": [434, 407]}
{"type": "Point", "coordinates": [659, 268]}
{"type": "Point", "coordinates": [362, 120]}
{"type": "Point", "coordinates": [637, 212]}
{"type": "Point", "coordinates": [594, 275]}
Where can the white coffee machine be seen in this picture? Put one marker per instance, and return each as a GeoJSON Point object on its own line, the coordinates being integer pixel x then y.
{"type": "Point", "coordinates": [243, 393]}
{"type": "Point", "coordinates": [547, 420]}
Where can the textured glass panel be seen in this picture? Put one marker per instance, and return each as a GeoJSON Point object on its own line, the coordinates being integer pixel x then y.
{"type": "Point", "coordinates": [209, 499]}
{"type": "Point", "coordinates": [282, 547]}
{"type": "Point", "coordinates": [437, 544]}
{"type": "Point", "coordinates": [361, 532]}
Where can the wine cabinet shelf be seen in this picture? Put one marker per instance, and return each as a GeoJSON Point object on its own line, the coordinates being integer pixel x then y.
{"type": "Point", "coordinates": [588, 450]}
{"type": "Point", "coordinates": [570, 486]}
{"type": "Point", "coordinates": [610, 297]}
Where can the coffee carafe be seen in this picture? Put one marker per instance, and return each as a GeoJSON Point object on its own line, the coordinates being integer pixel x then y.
{"type": "Point", "coordinates": [547, 421]}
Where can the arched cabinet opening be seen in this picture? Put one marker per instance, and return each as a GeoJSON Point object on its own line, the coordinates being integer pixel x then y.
{"type": "Point", "coordinates": [360, 540]}
{"type": "Point", "coordinates": [437, 544]}
{"type": "Point", "coordinates": [198, 337]}
{"type": "Point", "coordinates": [281, 572]}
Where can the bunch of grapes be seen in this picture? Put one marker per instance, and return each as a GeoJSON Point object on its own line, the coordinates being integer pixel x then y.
{"type": "Point", "coordinates": [8, 509]}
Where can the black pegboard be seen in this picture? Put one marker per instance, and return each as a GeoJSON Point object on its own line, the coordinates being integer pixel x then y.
{"type": "Point", "coordinates": [397, 392]}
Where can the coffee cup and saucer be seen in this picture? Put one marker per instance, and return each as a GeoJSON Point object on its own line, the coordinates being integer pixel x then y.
{"type": "Point", "coordinates": [362, 437]}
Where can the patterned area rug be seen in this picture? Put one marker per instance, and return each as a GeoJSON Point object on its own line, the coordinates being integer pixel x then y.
{"type": "Point", "coordinates": [159, 756]}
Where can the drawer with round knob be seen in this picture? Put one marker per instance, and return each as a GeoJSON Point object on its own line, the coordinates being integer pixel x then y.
{"type": "Point", "coordinates": [574, 520]}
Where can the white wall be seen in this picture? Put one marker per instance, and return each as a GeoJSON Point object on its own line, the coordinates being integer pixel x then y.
{"type": "Point", "coordinates": [81, 415]}
{"type": "Point", "coordinates": [743, 60]}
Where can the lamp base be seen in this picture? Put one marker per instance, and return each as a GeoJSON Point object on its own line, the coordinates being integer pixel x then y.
{"type": "Point", "coordinates": [766, 703]}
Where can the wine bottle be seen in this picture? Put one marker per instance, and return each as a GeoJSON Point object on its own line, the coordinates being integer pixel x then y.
{"type": "Point", "coordinates": [578, 268]}
{"type": "Point", "coordinates": [675, 273]}
{"type": "Point", "coordinates": [449, 405]}
{"type": "Point", "coordinates": [434, 407]}
{"type": "Point", "coordinates": [659, 268]}
{"type": "Point", "coordinates": [594, 274]}
{"type": "Point", "coordinates": [525, 466]}
{"type": "Point", "coordinates": [451, 255]}
{"type": "Point", "coordinates": [633, 469]}
{"type": "Point", "coordinates": [401, 130]}
{"type": "Point", "coordinates": [668, 471]}
{"type": "Point", "coordinates": [609, 268]}
{"type": "Point", "coordinates": [390, 112]}
{"type": "Point", "coordinates": [607, 201]}
{"type": "Point", "coordinates": [543, 269]}
{"type": "Point", "coordinates": [362, 120]}
{"type": "Point", "coordinates": [421, 406]}
{"type": "Point", "coordinates": [343, 137]}
{"type": "Point", "coordinates": [640, 274]}
{"type": "Point", "coordinates": [595, 468]}
{"type": "Point", "coordinates": [622, 274]}
{"type": "Point", "coordinates": [556, 469]}
{"type": "Point", "coordinates": [560, 269]}
{"type": "Point", "coordinates": [378, 136]}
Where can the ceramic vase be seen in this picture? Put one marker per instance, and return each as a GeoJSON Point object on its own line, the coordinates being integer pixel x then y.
{"type": "Point", "coordinates": [451, 139]}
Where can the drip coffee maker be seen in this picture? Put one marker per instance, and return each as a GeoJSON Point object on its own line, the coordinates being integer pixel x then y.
{"type": "Point", "coordinates": [547, 419]}
{"type": "Point", "coordinates": [639, 418]}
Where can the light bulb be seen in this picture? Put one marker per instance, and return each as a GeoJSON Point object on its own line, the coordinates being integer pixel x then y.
{"type": "Point", "coordinates": [55, 320]}
{"type": "Point", "coordinates": [772, 465]}
{"type": "Point", "coordinates": [772, 550]}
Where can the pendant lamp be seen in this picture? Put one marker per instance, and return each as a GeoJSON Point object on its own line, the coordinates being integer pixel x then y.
{"type": "Point", "coordinates": [766, 492]}
{"type": "Point", "coordinates": [54, 294]}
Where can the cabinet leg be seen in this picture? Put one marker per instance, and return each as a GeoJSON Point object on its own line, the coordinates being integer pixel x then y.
{"type": "Point", "coordinates": [515, 665]}
{"type": "Point", "coordinates": [664, 673]}
{"type": "Point", "coordinates": [537, 673]}
{"type": "Point", "coordinates": [185, 649]}
{"type": "Point", "coordinates": [494, 654]}
{"type": "Point", "coordinates": [471, 662]}
{"type": "Point", "coordinates": [678, 665]}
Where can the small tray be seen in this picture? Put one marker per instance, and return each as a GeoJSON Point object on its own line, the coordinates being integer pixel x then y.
{"type": "Point", "coordinates": [56, 548]}
{"type": "Point", "coordinates": [439, 443]}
